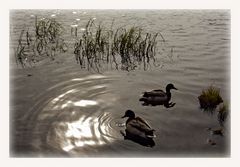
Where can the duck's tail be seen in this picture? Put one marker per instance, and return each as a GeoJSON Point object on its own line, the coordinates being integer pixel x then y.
{"type": "Point", "coordinates": [145, 94]}
{"type": "Point", "coordinates": [143, 99]}
{"type": "Point", "coordinates": [150, 134]}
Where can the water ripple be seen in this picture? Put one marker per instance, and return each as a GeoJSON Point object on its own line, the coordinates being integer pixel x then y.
{"type": "Point", "coordinates": [78, 116]}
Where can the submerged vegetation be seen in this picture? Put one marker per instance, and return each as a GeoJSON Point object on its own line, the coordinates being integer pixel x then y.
{"type": "Point", "coordinates": [45, 40]}
{"type": "Point", "coordinates": [210, 98]}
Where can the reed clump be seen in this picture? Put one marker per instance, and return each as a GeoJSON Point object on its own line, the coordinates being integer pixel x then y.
{"type": "Point", "coordinates": [125, 48]}
{"type": "Point", "coordinates": [45, 40]}
{"type": "Point", "coordinates": [211, 102]}
{"type": "Point", "coordinates": [210, 98]}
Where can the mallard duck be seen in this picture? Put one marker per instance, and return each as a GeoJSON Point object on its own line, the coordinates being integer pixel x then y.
{"type": "Point", "coordinates": [158, 97]}
{"type": "Point", "coordinates": [136, 126]}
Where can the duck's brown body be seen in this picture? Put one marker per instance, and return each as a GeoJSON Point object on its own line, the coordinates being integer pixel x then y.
{"type": "Point", "coordinates": [138, 130]}
{"type": "Point", "coordinates": [139, 127]}
{"type": "Point", "coordinates": [157, 97]}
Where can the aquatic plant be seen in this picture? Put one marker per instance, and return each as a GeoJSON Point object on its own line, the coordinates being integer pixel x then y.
{"type": "Point", "coordinates": [48, 37]}
{"type": "Point", "coordinates": [222, 114]}
{"type": "Point", "coordinates": [122, 48]}
{"type": "Point", "coordinates": [210, 98]}
{"type": "Point", "coordinates": [20, 54]}
{"type": "Point", "coordinates": [126, 48]}
{"type": "Point", "coordinates": [91, 49]}
{"type": "Point", "coordinates": [44, 40]}
{"type": "Point", "coordinates": [74, 30]}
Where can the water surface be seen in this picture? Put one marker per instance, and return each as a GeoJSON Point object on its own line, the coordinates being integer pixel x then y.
{"type": "Point", "coordinates": [63, 110]}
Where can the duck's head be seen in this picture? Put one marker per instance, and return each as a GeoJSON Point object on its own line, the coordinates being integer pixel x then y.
{"type": "Point", "coordinates": [129, 113]}
{"type": "Point", "coordinates": [169, 87]}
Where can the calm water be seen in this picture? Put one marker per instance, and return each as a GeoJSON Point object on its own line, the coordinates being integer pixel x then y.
{"type": "Point", "coordinates": [62, 110]}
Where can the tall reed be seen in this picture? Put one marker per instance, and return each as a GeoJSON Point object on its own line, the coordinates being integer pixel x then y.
{"type": "Point", "coordinates": [126, 48]}
{"type": "Point", "coordinates": [122, 48]}
{"type": "Point", "coordinates": [45, 40]}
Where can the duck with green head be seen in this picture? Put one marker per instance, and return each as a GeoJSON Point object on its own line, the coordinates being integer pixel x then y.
{"type": "Point", "coordinates": [158, 97]}
{"type": "Point", "coordinates": [138, 130]}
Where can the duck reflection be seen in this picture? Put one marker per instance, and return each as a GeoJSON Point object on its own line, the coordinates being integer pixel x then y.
{"type": "Point", "coordinates": [158, 97]}
{"type": "Point", "coordinates": [138, 130]}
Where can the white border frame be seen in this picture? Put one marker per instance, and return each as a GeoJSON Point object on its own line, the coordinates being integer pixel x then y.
{"type": "Point", "coordinates": [119, 4]}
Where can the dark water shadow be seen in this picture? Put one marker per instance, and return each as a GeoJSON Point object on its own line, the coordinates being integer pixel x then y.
{"type": "Point", "coordinates": [147, 142]}
{"type": "Point", "coordinates": [209, 111]}
{"type": "Point", "coordinates": [165, 104]}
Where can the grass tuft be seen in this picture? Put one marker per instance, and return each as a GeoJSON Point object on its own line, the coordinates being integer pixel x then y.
{"type": "Point", "coordinates": [210, 98]}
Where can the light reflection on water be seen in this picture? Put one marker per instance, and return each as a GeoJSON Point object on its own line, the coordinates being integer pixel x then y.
{"type": "Point", "coordinates": [84, 103]}
{"type": "Point", "coordinates": [82, 119]}
{"type": "Point", "coordinates": [61, 96]}
{"type": "Point", "coordinates": [83, 29]}
{"type": "Point", "coordinates": [84, 132]}
{"type": "Point", "coordinates": [74, 25]}
{"type": "Point", "coordinates": [81, 103]}
{"type": "Point", "coordinates": [95, 76]}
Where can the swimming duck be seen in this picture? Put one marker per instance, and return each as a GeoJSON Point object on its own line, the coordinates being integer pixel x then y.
{"type": "Point", "coordinates": [158, 97]}
{"type": "Point", "coordinates": [137, 127]}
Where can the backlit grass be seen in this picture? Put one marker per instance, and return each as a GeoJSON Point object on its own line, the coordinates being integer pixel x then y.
{"type": "Point", "coordinates": [210, 98]}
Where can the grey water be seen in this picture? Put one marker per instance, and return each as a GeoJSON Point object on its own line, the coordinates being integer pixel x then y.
{"type": "Point", "coordinates": [63, 110]}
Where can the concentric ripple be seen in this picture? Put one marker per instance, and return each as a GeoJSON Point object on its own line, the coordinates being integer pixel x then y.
{"type": "Point", "coordinates": [78, 117]}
